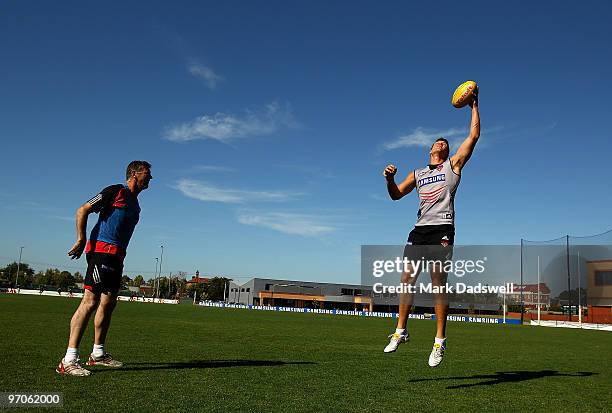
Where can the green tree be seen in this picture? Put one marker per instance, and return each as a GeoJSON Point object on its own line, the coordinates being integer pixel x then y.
{"type": "Point", "coordinates": [65, 280]}
{"type": "Point", "coordinates": [43, 278]}
{"type": "Point", "coordinates": [168, 287]}
{"type": "Point", "coordinates": [138, 281]}
{"type": "Point", "coordinates": [53, 275]}
{"type": "Point", "coordinates": [574, 295]}
{"type": "Point", "coordinates": [200, 289]}
{"type": "Point", "coordinates": [215, 288]}
{"type": "Point", "coordinates": [56, 278]}
{"type": "Point", "coordinates": [26, 279]}
{"type": "Point", "coordinates": [9, 273]}
{"type": "Point", "coordinates": [181, 285]}
{"type": "Point", "coordinates": [78, 278]}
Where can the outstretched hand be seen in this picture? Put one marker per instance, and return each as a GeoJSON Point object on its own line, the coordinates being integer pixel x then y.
{"type": "Point", "coordinates": [474, 100]}
{"type": "Point", "coordinates": [77, 250]}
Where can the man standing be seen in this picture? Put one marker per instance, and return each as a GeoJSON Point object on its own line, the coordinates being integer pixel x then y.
{"type": "Point", "coordinates": [119, 213]}
{"type": "Point", "coordinates": [434, 232]}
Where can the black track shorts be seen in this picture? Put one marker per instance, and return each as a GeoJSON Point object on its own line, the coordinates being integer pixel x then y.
{"type": "Point", "coordinates": [430, 242]}
{"type": "Point", "coordinates": [104, 273]}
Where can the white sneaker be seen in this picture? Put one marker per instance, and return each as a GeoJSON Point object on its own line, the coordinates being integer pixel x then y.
{"type": "Point", "coordinates": [72, 369]}
{"type": "Point", "coordinates": [396, 340]}
{"type": "Point", "coordinates": [437, 354]}
{"type": "Point", "coordinates": [105, 360]}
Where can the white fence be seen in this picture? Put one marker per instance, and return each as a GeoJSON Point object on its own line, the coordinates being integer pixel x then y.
{"type": "Point", "coordinates": [458, 318]}
{"type": "Point", "coordinates": [571, 324]}
{"type": "Point", "coordinates": [64, 294]}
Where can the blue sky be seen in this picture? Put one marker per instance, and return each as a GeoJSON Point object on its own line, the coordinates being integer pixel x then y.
{"type": "Point", "coordinates": [268, 125]}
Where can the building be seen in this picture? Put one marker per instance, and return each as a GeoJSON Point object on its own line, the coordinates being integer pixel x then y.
{"type": "Point", "coordinates": [146, 290]}
{"type": "Point", "coordinates": [599, 291]}
{"type": "Point", "coordinates": [530, 294]}
{"type": "Point", "coordinates": [301, 294]}
{"type": "Point", "coordinates": [196, 279]}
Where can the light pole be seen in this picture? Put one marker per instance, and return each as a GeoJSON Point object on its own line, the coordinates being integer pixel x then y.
{"type": "Point", "coordinates": [170, 285]}
{"type": "Point", "coordinates": [161, 260]}
{"type": "Point", "coordinates": [18, 266]}
{"type": "Point", "coordinates": [579, 293]}
{"type": "Point", "coordinates": [504, 305]}
{"type": "Point", "coordinates": [155, 276]}
{"type": "Point", "coordinates": [539, 291]}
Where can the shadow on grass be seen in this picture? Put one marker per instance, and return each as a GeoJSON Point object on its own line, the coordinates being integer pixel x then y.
{"type": "Point", "coordinates": [204, 364]}
{"type": "Point", "coordinates": [507, 377]}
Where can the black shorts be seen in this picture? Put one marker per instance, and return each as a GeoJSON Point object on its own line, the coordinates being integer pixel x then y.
{"type": "Point", "coordinates": [430, 242]}
{"type": "Point", "coordinates": [104, 273]}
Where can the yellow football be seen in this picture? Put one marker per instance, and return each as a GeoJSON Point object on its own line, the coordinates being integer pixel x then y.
{"type": "Point", "coordinates": [464, 94]}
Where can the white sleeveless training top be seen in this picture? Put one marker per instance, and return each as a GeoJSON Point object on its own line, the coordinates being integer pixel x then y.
{"type": "Point", "coordinates": [436, 186]}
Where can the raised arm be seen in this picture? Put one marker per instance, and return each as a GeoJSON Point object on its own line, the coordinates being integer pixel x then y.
{"type": "Point", "coordinates": [398, 191]}
{"type": "Point", "coordinates": [466, 149]}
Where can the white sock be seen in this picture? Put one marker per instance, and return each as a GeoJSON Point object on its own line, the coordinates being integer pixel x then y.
{"type": "Point", "coordinates": [440, 341]}
{"type": "Point", "coordinates": [400, 331]}
{"type": "Point", "coordinates": [98, 350]}
{"type": "Point", "coordinates": [72, 354]}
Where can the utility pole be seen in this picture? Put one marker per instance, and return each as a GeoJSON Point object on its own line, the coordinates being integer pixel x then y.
{"type": "Point", "coordinates": [18, 266]}
{"type": "Point", "coordinates": [161, 260]}
{"type": "Point", "coordinates": [155, 276]}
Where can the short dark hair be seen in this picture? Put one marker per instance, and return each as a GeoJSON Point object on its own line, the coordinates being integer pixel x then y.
{"type": "Point", "coordinates": [441, 139]}
{"type": "Point", "coordinates": [136, 166]}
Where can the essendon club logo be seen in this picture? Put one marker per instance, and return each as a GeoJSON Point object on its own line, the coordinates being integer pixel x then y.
{"type": "Point", "coordinates": [444, 241]}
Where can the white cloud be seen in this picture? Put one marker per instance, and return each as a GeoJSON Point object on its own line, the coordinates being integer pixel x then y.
{"type": "Point", "coordinates": [225, 127]}
{"type": "Point", "coordinates": [206, 74]}
{"type": "Point", "coordinates": [424, 138]}
{"type": "Point", "coordinates": [213, 168]}
{"type": "Point", "coordinates": [288, 223]}
{"type": "Point", "coordinates": [205, 192]}
{"type": "Point", "coordinates": [206, 169]}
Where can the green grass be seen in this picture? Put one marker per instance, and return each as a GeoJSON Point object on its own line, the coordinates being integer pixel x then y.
{"type": "Point", "coordinates": [191, 358]}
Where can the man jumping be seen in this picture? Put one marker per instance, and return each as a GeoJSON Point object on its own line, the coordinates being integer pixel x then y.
{"type": "Point", "coordinates": [433, 235]}
{"type": "Point", "coordinates": [119, 213]}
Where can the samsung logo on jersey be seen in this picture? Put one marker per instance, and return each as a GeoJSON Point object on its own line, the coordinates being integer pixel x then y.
{"type": "Point", "coordinates": [432, 179]}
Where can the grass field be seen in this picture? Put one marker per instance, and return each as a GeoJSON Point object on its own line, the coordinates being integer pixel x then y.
{"type": "Point", "coordinates": [181, 357]}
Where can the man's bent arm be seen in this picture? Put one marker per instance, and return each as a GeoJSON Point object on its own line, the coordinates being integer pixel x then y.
{"type": "Point", "coordinates": [81, 221]}
{"type": "Point", "coordinates": [81, 224]}
{"type": "Point", "coordinates": [396, 192]}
